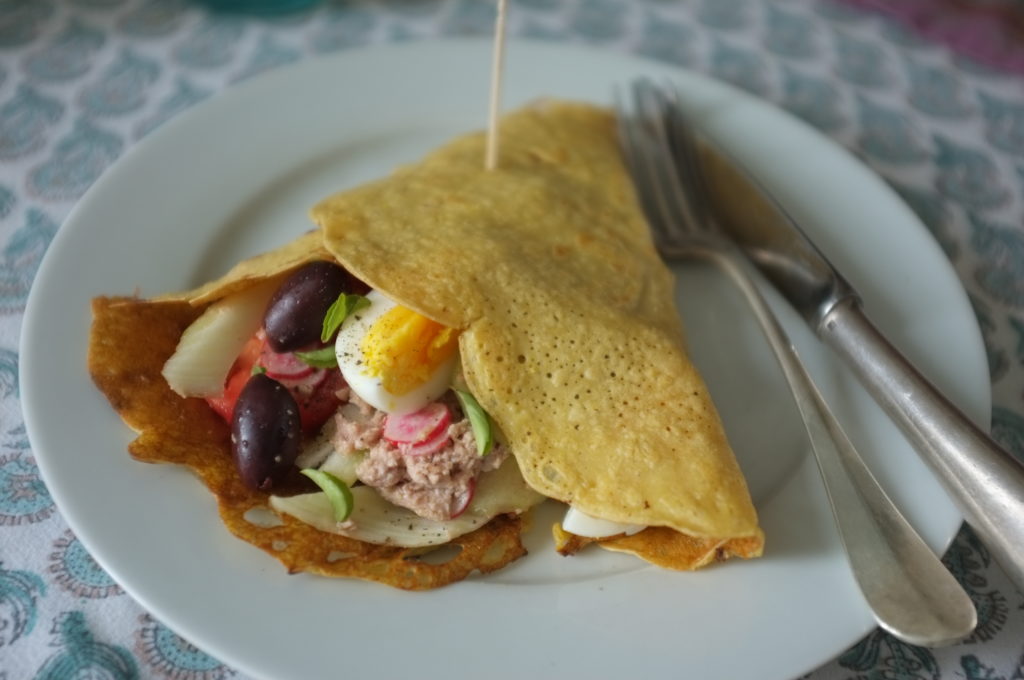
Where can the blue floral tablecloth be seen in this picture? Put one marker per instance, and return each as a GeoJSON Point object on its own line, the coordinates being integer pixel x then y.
{"type": "Point", "coordinates": [81, 81]}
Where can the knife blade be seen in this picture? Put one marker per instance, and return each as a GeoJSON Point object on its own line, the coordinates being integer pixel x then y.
{"type": "Point", "coordinates": [985, 481]}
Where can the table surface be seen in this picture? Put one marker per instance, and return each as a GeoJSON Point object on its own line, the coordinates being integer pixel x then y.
{"type": "Point", "coordinates": [933, 101]}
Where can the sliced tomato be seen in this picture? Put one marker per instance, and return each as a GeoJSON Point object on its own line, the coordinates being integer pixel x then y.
{"type": "Point", "coordinates": [321, 403]}
{"type": "Point", "coordinates": [224, 404]}
{"type": "Point", "coordinates": [251, 351]}
{"type": "Point", "coordinates": [314, 390]}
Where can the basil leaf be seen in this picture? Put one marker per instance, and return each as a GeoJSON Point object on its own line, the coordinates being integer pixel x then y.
{"type": "Point", "coordinates": [319, 358]}
{"type": "Point", "coordinates": [336, 490]}
{"type": "Point", "coordinates": [478, 420]}
{"type": "Point", "coordinates": [339, 311]}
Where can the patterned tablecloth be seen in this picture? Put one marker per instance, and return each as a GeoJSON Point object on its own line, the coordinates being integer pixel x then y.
{"type": "Point", "coordinates": [928, 94]}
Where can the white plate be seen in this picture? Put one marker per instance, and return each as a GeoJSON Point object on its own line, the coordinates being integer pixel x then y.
{"type": "Point", "coordinates": [236, 175]}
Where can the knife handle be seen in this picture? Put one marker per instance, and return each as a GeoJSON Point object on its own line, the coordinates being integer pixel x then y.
{"type": "Point", "coordinates": [985, 481]}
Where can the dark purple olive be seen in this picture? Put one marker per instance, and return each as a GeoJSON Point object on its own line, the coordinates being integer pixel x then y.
{"type": "Point", "coordinates": [295, 315]}
{"type": "Point", "coordinates": [265, 432]}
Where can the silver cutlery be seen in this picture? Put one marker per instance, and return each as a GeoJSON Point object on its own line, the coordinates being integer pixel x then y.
{"type": "Point", "coordinates": [910, 592]}
{"type": "Point", "coordinates": [985, 481]}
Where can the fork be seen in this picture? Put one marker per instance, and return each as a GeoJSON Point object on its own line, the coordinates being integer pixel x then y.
{"type": "Point", "coordinates": [909, 591]}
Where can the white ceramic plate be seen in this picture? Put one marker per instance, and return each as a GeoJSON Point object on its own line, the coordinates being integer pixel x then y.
{"type": "Point", "coordinates": [236, 175]}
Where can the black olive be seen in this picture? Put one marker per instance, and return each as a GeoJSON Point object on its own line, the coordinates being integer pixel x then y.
{"type": "Point", "coordinates": [295, 315]}
{"type": "Point", "coordinates": [265, 432]}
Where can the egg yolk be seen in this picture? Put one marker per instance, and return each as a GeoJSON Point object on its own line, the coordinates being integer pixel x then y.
{"type": "Point", "coordinates": [404, 349]}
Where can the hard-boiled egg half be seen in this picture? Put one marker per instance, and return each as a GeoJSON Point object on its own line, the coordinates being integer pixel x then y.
{"type": "Point", "coordinates": [393, 358]}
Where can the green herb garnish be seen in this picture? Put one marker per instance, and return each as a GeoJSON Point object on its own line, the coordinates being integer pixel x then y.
{"type": "Point", "coordinates": [339, 311]}
{"type": "Point", "coordinates": [337, 492]}
{"type": "Point", "coordinates": [257, 370]}
{"type": "Point", "coordinates": [319, 358]}
{"type": "Point", "coordinates": [478, 420]}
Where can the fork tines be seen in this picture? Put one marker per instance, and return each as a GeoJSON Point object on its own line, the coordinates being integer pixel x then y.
{"type": "Point", "coordinates": [659, 147]}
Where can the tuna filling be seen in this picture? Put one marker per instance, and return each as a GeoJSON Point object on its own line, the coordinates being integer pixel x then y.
{"type": "Point", "coordinates": [437, 486]}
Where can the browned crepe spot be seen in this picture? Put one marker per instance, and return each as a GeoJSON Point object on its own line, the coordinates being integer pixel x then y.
{"type": "Point", "coordinates": [188, 432]}
{"type": "Point", "coordinates": [665, 547]}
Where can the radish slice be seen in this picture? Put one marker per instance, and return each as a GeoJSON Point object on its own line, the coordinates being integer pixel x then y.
{"type": "Point", "coordinates": [283, 366]}
{"type": "Point", "coordinates": [437, 441]}
{"type": "Point", "coordinates": [421, 426]}
{"type": "Point", "coordinates": [462, 501]}
{"type": "Point", "coordinates": [305, 385]}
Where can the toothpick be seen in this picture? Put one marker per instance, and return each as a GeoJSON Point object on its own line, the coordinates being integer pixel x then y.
{"type": "Point", "coordinates": [497, 67]}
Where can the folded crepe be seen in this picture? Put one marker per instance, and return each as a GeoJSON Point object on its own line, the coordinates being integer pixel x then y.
{"type": "Point", "coordinates": [570, 336]}
{"type": "Point", "coordinates": [569, 340]}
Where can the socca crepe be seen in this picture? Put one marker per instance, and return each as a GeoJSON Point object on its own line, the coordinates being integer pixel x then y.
{"type": "Point", "coordinates": [570, 337]}
{"type": "Point", "coordinates": [570, 340]}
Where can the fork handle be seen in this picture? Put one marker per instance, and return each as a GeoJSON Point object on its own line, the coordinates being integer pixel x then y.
{"type": "Point", "coordinates": [911, 593]}
{"type": "Point", "coordinates": [986, 482]}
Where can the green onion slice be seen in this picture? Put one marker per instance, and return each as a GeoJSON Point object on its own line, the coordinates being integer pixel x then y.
{"type": "Point", "coordinates": [319, 358]}
{"type": "Point", "coordinates": [339, 311]}
{"type": "Point", "coordinates": [478, 420]}
{"type": "Point", "coordinates": [336, 490]}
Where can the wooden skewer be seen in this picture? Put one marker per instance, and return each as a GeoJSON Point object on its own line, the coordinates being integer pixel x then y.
{"type": "Point", "coordinates": [497, 67]}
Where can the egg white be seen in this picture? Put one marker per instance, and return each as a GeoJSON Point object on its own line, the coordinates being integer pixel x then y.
{"type": "Point", "coordinates": [579, 523]}
{"type": "Point", "coordinates": [368, 387]}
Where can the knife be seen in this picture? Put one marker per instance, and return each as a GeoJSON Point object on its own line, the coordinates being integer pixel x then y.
{"type": "Point", "coordinates": [985, 481]}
